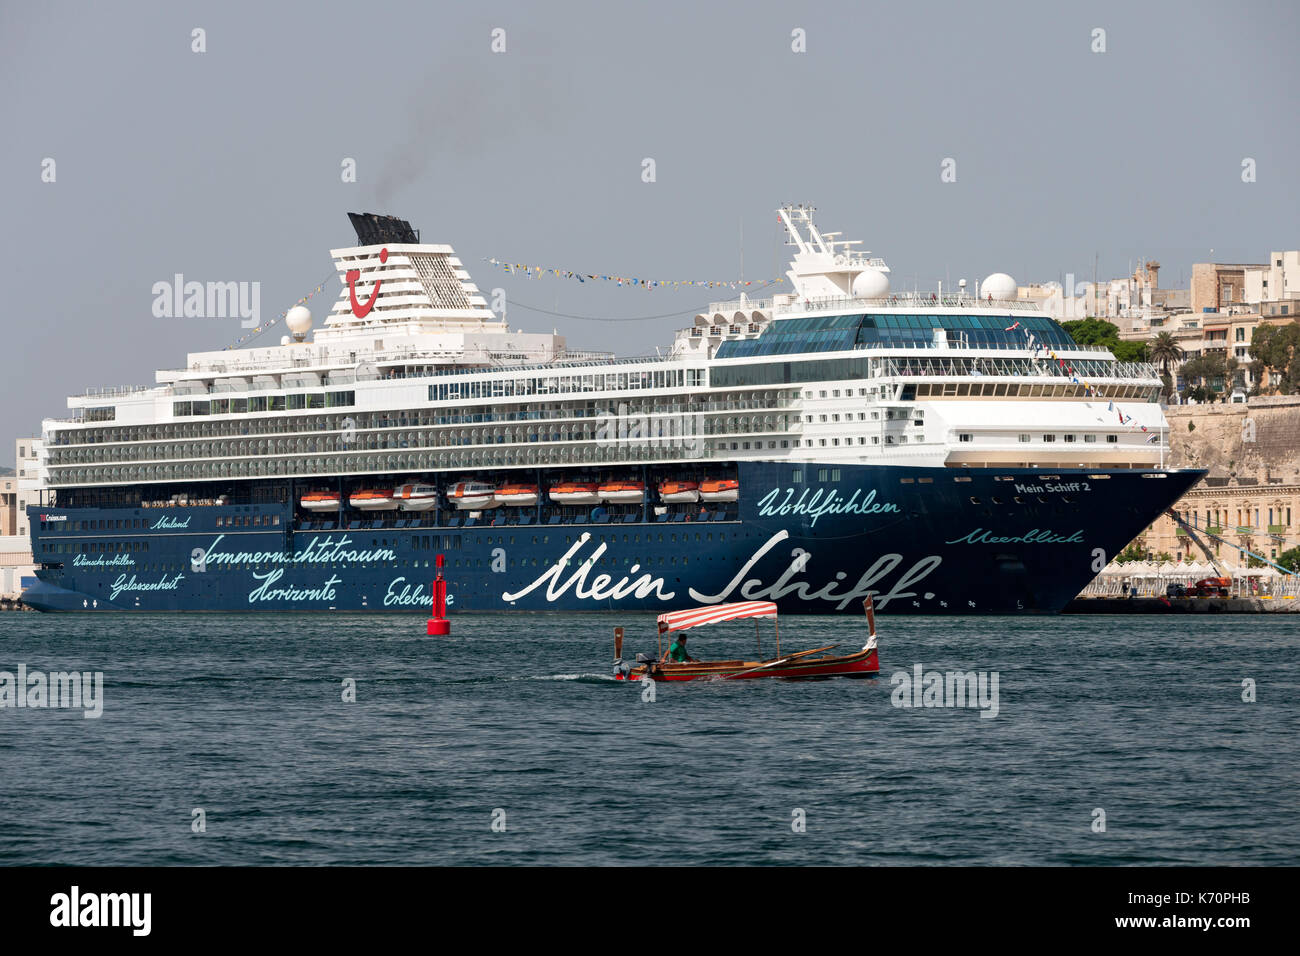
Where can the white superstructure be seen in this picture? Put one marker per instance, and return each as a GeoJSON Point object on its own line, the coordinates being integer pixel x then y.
{"type": "Point", "coordinates": [413, 374]}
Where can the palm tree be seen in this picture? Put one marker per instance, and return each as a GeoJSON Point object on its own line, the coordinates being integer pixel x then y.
{"type": "Point", "coordinates": [1164, 349]}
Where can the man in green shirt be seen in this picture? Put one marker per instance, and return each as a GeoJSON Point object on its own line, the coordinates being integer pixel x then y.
{"type": "Point", "coordinates": [677, 650]}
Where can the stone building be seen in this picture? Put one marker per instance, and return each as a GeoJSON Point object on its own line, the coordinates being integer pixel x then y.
{"type": "Point", "coordinates": [16, 493]}
{"type": "Point", "coordinates": [1216, 286]}
{"type": "Point", "coordinates": [1251, 496]}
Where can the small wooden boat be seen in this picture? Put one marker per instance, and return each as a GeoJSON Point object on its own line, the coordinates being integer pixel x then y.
{"type": "Point", "coordinates": [517, 496]}
{"type": "Point", "coordinates": [622, 492]}
{"type": "Point", "coordinates": [472, 495]}
{"type": "Point", "coordinates": [723, 489]}
{"type": "Point", "coordinates": [802, 665]}
{"type": "Point", "coordinates": [679, 492]}
{"type": "Point", "coordinates": [373, 499]}
{"type": "Point", "coordinates": [320, 501]}
{"type": "Point", "coordinates": [574, 493]}
{"type": "Point", "coordinates": [416, 496]}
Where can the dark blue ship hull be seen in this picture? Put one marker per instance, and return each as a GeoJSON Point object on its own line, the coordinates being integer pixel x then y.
{"type": "Point", "coordinates": [813, 538]}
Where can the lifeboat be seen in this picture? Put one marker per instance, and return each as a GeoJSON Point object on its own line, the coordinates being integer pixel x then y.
{"type": "Point", "coordinates": [723, 489]}
{"type": "Point", "coordinates": [373, 499]}
{"type": "Point", "coordinates": [679, 492]}
{"type": "Point", "coordinates": [472, 495]}
{"type": "Point", "coordinates": [575, 493]}
{"type": "Point", "coordinates": [320, 501]}
{"type": "Point", "coordinates": [622, 492]}
{"type": "Point", "coordinates": [517, 496]}
{"type": "Point", "coordinates": [416, 496]}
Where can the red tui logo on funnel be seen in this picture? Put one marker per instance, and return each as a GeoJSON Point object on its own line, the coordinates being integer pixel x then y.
{"type": "Point", "coordinates": [352, 275]}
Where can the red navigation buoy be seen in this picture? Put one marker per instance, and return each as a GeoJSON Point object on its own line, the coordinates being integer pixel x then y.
{"type": "Point", "coordinates": [439, 626]}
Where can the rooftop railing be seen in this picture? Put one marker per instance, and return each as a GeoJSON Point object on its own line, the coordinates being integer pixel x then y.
{"type": "Point", "coordinates": [900, 300]}
{"type": "Point", "coordinates": [1084, 369]}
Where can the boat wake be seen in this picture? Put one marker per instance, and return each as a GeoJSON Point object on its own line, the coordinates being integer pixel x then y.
{"type": "Point", "coordinates": [580, 678]}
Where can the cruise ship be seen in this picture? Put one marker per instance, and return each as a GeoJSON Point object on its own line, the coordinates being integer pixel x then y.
{"type": "Point", "coordinates": [946, 452]}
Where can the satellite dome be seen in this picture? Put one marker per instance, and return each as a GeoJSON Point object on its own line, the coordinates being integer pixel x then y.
{"type": "Point", "coordinates": [298, 321]}
{"type": "Point", "coordinates": [999, 286]}
{"type": "Point", "coordinates": [871, 284]}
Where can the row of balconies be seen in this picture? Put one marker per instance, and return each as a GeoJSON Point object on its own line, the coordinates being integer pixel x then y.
{"type": "Point", "coordinates": [294, 425]}
{"type": "Point", "coordinates": [343, 443]}
{"type": "Point", "coordinates": [1279, 530]}
{"type": "Point", "coordinates": [401, 462]}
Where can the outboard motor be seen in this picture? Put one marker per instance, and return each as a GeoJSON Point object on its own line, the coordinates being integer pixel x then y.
{"type": "Point", "coordinates": [621, 669]}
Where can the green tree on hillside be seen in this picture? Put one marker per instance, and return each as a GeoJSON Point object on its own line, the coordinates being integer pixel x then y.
{"type": "Point", "coordinates": [1290, 559]}
{"type": "Point", "coordinates": [1106, 334]}
{"type": "Point", "coordinates": [1092, 331]}
{"type": "Point", "coordinates": [1210, 377]}
{"type": "Point", "coordinates": [1276, 349]}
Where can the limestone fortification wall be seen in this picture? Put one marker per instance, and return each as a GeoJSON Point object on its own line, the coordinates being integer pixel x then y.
{"type": "Point", "coordinates": [1260, 439]}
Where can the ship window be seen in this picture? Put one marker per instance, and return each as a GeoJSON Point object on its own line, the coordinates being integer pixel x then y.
{"type": "Point", "coordinates": [796, 476]}
{"type": "Point", "coordinates": [1024, 437]}
{"type": "Point", "coordinates": [1089, 438]}
{"type": "Point", "coordinates": [1049, 438]}
{"type": "Point", "coordinates": [965, 436]}
{"type": "Point", "coordinates": [1112, 438]}
{"type": "Point", "coordinates": [1069, 438]}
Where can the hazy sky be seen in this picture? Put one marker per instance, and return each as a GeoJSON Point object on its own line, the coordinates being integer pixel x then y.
{"type": "Point", "coordinates": [225, 165]}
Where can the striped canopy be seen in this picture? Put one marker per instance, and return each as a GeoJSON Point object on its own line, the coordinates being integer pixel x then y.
{"type": "Point", "coordinates": [694, 617]}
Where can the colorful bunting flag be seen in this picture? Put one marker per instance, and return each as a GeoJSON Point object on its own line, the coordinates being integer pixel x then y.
{"type": "Point", "coordinates": [266, 325]}
{"type": "Point", "coordinates": [537, 272]}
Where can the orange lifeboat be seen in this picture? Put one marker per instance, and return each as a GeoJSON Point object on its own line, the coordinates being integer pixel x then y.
{"type": "Point", "coordinates": [416, 496]}
{"type": "Point", "coordinates": [622, 492]}
{"type": "Point", "coordinates": [723, 489]}
{"type": "Point", "coordinates": [679, 492]}
{"type": "Point", "coordinates": [517, 496]}
{"type": "Point", "coordinates": [472, 495]}
{"type": "Point", "coordinates": [574, 493]}
{"type": "Point", "coordinates": [373, 499]}
{"type": "Point", "coordinates": [320, 501]}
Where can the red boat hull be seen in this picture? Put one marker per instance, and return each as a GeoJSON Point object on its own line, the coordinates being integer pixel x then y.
{"type": "Point", "coordinates": [861, 664]}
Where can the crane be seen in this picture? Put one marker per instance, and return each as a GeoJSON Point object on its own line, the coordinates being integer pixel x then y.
{"type": "Point", "coordinates": [1193, 534]}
